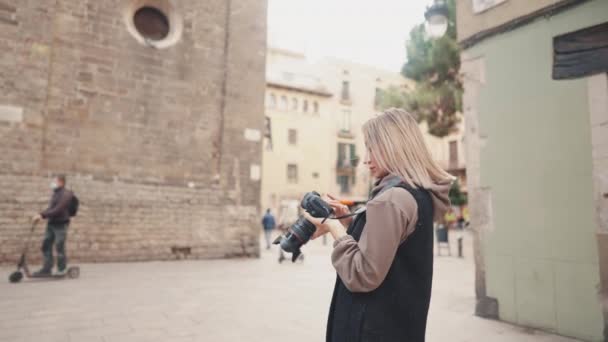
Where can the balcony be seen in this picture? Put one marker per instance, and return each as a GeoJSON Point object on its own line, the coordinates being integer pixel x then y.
{"type": "Point", "coordinates": [347, 134]}
{"type": "Point", "coordinates": [346, 101]}
{"type": "Point", "coordinates": [347, 165]}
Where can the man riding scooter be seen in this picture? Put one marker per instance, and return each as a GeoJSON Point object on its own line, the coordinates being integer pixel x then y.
{"type": "Point", "coordinates": [58, 216]}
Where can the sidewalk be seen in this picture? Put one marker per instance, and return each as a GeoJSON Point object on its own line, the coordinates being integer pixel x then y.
{"type": "Point", "coordinates": [222, 300]}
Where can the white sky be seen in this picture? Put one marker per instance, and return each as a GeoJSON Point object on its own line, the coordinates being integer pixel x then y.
{"type": "Point", "coordinates": [370, 32]}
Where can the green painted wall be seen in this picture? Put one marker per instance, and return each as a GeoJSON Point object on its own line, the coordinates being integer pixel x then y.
{"type": "Point", "coordinates": [541, 257]}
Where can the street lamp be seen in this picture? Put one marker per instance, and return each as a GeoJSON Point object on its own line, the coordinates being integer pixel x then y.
{"type": "Point", "coordinates": [436, 19]}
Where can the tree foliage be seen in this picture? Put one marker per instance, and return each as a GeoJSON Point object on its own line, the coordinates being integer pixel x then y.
{"type": "Point", "coordinates": [393, 97]}
{"type": "Point", "coordinates": [434, 64]}
{"type": "Point", "coordinates": [457, 197]}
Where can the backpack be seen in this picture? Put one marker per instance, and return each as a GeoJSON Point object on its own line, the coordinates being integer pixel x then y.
{"type": "Point", "coordinates": [73, 206]}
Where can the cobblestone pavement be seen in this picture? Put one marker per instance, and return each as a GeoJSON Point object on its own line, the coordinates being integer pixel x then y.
{"type": "Point", "coordinates": [221, 300]}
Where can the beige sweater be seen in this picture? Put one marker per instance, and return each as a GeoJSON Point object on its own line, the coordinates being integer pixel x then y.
{"type": "Point", "coordinates": [391, 218]}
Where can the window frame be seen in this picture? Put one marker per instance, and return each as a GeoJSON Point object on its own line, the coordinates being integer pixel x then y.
{"type": "Point", "coordinates": [292, 173]}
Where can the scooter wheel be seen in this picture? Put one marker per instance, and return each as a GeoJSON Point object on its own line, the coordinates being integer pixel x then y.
{"type": "Point", "coordinates": [73, 272]}
{"type": "Point", "coordinates": [15, 277]}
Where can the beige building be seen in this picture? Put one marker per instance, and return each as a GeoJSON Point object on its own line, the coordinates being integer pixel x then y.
{"type": "Point", "coordinates": [296, 144]}
{"type": "Point", "coordinates": [314, 142]}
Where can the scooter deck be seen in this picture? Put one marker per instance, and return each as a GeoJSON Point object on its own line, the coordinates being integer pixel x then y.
{"type": "Point", "coordinates": [72, 272]}
{"type": "Point", "coordinates": [47, 276]}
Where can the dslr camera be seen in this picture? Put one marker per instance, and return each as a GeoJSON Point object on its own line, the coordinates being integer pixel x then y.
{"type": "Point", "coordinates": [301, 231]}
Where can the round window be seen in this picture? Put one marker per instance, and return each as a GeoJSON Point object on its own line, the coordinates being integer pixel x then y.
{"type": "Point", "coordinates": [151, 23]}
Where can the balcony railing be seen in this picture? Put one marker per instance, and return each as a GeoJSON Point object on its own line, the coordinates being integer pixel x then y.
{"type": "Point", "coordinates": [348, 134]}
{"type": "Point", "coordinates": [347, 163]}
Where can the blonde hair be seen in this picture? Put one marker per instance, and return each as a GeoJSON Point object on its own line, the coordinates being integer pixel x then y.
{"type": "Point", "coordinates": [395, 140]}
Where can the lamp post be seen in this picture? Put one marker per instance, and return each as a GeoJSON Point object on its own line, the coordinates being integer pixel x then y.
{"type": "Point", "coordinates": [436, 19]}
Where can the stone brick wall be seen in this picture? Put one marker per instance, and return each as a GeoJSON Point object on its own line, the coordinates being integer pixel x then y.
{"type": "Point", "coordinates": [152, 140]}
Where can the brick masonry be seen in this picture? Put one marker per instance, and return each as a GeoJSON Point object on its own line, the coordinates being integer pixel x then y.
{"type": "Point", "coordinates": [152, 140]}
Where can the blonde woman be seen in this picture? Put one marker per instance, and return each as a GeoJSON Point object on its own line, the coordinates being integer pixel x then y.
{"type": "Point", "coordinates": [384, 256]}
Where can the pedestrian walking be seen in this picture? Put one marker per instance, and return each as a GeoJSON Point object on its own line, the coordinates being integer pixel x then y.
{"type": "Point", "coordinates": [268, 223]}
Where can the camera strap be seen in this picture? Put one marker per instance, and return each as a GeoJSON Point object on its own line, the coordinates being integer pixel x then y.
{"type": "Point", "coordinates": [357, 212]}
{"type": "Point", "coordinates": [390, 184]}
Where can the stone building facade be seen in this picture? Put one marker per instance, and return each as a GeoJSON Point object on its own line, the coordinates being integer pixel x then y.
{"type": "Point", "coordinates": [537, 161]}
{"type": "Point", "coordinates": [152, 108]}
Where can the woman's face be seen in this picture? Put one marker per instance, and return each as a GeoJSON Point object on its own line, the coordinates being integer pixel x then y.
{"type": "Point", "coordinates": [374, 169]}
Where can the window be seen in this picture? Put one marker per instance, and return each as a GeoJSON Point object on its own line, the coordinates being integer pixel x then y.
{"type": "Point", "coordinates": [347, 156]}
{"type": "Point", "coordinates": [453, 154]}
{"type": "Point", "coordinates": [294, 104]}
{"type": "Point", "coordinates": [581, 53]}
{"type": "Point", "coordinates": [378, 98]}
{"type": "Point", "coordinates": [344, 183]}
{"type": "Point", "coordinates": [315, 107]}
{"type": "Point", "coordinates": [484, 5]}
{"type": "Point", "coordinates": [292, 173]}
{"type": "Point", "coordinates": [151, 23]}
{"type": "Point", "coordinates": [268, 133]}
{"type": "Point", "coordinates": [341, 154]}
{"type": "Point", "coordinates": [272, 101]}
{"type": "Point", "coordinates": [283, 104]}
{"type": "Point", "coordinates": [292, 137]}
{"type": "Point", "coordinates": [345, 91]}
{"type": "Point", "coordinates": [354, 159]}
{"type": "Point", "coordinates": [305, 106]}
{"type": "Point", "coordinates": [345, 120]}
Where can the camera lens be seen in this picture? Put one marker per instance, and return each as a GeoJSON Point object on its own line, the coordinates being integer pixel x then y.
{"type": "Point", "coordinates": [302, 230]}
{"type": "Point", "coordinates": [300, 233]}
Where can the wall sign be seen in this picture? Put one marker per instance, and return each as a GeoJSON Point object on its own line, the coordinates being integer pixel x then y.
{"type": "Point", "coordinates": [484, 5]}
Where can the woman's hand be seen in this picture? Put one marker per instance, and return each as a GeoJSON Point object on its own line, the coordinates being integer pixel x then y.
{"type": "Point", "coordinates": [322, 228]}
{"type": "Point", "coordinates": [331, 226]}
{"type": "Point", "coordinates": [339, 209]}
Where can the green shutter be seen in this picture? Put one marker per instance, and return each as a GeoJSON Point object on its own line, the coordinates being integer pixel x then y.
{"type": "Point", "coordinates": [353, 155]}
{"type": "Point", "coordinates": [341, 153]}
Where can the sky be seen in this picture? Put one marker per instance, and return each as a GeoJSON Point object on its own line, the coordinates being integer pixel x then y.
{"type": "Point", "coordinates": [371, 32]}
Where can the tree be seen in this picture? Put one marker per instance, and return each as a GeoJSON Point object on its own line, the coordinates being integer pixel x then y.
{"type": "Point", "coordinates": [435, 65]}
{"type": "Point", "coordinates": [457, 197]}
{"type": "Point", "coordinates": [393, 97]}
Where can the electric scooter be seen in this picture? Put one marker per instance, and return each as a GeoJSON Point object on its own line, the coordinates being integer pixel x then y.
{"type": "Point", "coordinates": [72, 272]}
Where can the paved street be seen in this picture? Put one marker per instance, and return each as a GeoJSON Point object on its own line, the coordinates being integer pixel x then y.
{"type": "Point", "coordinates": [222, 300]}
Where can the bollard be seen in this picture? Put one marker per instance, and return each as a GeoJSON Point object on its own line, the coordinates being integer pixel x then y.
{"type": "Point", "coordinates": [460, 247]}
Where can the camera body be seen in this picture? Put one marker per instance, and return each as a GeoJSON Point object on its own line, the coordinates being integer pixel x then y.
{"type": "Point", "coordinates": [315, 206]}
{"type": "Point", "coordinates": [302, 230]}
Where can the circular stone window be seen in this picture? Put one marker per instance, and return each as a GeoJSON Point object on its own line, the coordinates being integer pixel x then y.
{"type": "Point", "coordinates": [153, 23]}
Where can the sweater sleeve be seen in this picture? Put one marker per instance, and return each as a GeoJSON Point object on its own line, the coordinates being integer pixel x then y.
{"type": "Point", "coordinates": [363, 265]}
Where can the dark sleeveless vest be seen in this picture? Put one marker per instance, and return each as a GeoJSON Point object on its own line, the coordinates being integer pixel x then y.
{"type": "Point", "coordinates": [397, 310]}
